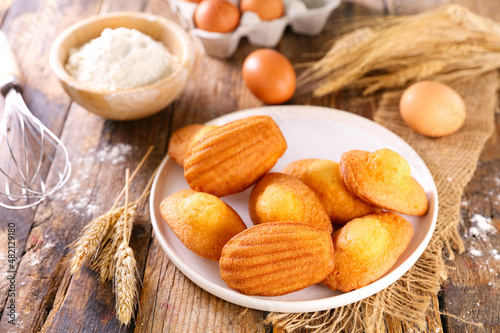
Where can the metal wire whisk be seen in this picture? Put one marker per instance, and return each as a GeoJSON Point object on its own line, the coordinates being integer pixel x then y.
{"type": "Point", "coordinates": [27, 148]}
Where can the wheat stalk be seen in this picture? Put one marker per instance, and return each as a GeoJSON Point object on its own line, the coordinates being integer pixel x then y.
{"type": "Point", "coordinates": [105, 243]}
{"type": "Point", "coordinates": [125, 269]}
{"type": "Point", "coordinates": [125, 283]}
{"type": "Point", "coordinates": [87, 245]}
{"type": "Point", "coordinates": [95, 233]}
{"type": "Point", "coordinates": [104, 262]}
{"type": "Point", "coordinates": [447, 44]}
{"type": "Point", "coordinates": [409, 74]}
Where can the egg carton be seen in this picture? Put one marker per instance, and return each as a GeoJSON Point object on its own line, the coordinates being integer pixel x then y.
{"type": "Point", "coordinates": [306, 17]}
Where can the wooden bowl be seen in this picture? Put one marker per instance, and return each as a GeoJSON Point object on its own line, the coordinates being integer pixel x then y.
{"type": "Point", "coordinates": [133, 103]}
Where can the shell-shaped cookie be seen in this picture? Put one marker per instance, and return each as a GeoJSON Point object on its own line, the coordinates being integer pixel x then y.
{"type": "Point", "coordinates": [323, 177]}
{"type": "Point", "coordinates": [234, 156]}
{"type": "Point", "coordinates": [280, 197]}
{"type": "Point", "coordinates": [274, 259]}
{"type": "Point", "coordinates": [366, 248]}
{"type": "Point", "coordinates": [184, 138]}
{"type": "Point", "coordinates": [202, 222]}
{"type": "Point", "coordinates": [383, 178]}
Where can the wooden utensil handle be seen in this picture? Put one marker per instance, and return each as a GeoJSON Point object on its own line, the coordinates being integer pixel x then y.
{"type": "Point", "coordinates": [10, 75]}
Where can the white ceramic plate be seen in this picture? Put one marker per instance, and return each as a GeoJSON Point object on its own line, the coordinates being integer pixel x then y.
{"type": "Point", "coordinates": [310, 132]}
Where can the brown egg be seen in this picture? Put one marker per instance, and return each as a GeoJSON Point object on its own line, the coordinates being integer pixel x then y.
{"type": "Point", "coordinates": [269, 76]}
{"type": "Point", "coordinates": [216, 16]}
{"type": "Point", "coordinates": [266, 9]}
{"type": "Point", "coordinates": [432, 109]}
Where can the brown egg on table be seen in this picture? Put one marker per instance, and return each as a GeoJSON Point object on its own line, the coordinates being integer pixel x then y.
{"type": "Point", "coordinates": [269, 76]}
{"type": "Point", "coordinates": [266, 9]}
{"type": "Point", "coordinates": [216, 16]}
{"type": "Point", "coordinates": [432, 109]}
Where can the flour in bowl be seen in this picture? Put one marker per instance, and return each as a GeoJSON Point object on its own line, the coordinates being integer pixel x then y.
{"type": "Point", "coordinates": [119, 59]}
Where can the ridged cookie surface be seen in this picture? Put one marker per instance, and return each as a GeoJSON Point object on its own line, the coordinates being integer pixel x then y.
{"type": "Point", "coordinates": [323, 178]}
{"type": "Point", "coordinates": [202, 222]}
{"type": "Point", "coordinates": [383, 178]}
{"type": "Point", "coordinates": [184, 138]}
{"type": "Point", "coordinates": [280, 197]}
{"type": "Point", "coordinates": [273, 259]}
{"type": "Point", "coordinates": [234, 156]}
{"type": "Point", "coordinates": [366, 248]}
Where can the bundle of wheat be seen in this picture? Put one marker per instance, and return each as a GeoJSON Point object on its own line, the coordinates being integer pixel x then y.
{"type": "Point", "coordinates": [449, 44]}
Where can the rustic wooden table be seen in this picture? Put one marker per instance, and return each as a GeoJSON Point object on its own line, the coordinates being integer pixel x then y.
{"type": "Point", "coordinates": [47, 298]}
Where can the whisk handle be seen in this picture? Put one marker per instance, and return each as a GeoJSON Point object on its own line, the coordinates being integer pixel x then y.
{"type": "Point", "coordinates": [10, 75]}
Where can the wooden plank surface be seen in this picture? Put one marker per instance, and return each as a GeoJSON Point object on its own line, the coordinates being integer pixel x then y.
{"type": "Point", "coordinates": [50, 300]}
{"type": "Point", "coordinates": [472, 292]}
{"type": "Point", "coordinates": [26, 24]}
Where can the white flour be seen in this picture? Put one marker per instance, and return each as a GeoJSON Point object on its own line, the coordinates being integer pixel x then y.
{"type": "Point", "coordinates": [115, 154]}
{"type": "Point", "coordinates": [80, 200]}
{"type": "Point", "coordinates": [482, 227]}
{"type": "Point", "coordinates": [120, 59]}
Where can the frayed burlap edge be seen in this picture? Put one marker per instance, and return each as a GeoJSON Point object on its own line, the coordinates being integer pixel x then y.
{"type": "Point", "coordinates": [452, 161]}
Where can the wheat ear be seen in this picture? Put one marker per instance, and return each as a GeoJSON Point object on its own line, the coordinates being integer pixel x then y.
{"type": "Point", "coordinates": [89, 244]}
{"type": "Point", "coordinates": [104, 261]}
{"type": "Point", "coordinates": [125, 279]}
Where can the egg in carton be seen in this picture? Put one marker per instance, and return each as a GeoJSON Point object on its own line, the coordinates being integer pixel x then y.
{"type": "Point", "coordinates": [306, 17]}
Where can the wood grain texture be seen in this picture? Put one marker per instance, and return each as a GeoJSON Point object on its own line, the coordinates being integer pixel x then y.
{"type": "Point", "coordinates": [51, 300]}
{"type": "Point", "coordinates": [24, 24]}
{"type": "Point", "coordinates": [473, 289]}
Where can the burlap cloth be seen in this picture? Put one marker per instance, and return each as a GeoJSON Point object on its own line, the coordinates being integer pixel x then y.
{"type": "Point", "coordinates": [452, 161]}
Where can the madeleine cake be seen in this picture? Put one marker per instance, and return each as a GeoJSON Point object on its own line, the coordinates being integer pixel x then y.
{"type": "Point", "coordinates": [232, 157]}
{"type": "Point", "coordinates": [273, 259]}
{"type": "Point", "coordinates": [202, 222]}
{"type": "Point", "coordinates": [323, 177]}
{"type": "Point", "coordinates": [383, 178]}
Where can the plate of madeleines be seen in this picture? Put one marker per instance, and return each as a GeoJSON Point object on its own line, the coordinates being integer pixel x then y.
{"type": "Point", "coordinates": [292, 208]}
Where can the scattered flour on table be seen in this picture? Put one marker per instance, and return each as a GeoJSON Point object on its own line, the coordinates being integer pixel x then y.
{"type": "Point", "coordinates": [80, 202]}
{"type": "Point", "coordinates": [116, 154]}
{"type": "Point", "coordinates": [93, 209]}
{"type": "Point", "coordinates": [475, 252]}
{"type": "Point", "coordinates": [34, 259]}
{"type": "Point", "coordinates": [49, 245]}
{"type": "Point", "coordinates": [482, 226]}
{"type": "Point", "coordinates": [495, 254]}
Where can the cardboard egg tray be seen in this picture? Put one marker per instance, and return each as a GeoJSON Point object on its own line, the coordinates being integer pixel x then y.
{"type": "Point", "coordinates": [306, 17]}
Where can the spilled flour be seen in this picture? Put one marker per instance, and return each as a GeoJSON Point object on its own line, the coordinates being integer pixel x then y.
{"type": "Point", "coordinates": [481, 228]}
{"type": "Point", "coordinates": [115, 154]}
{"type": "Point", "coordinates": [75, 192]}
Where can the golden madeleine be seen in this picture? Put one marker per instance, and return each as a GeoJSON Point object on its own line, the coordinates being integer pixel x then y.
{"type": "Point", "coordinates": [273, 259]}
{"type": "Point", "coordinates": [234, 156]}
{"type": "Point", "coordinates": [366, 248]}
{"type": "Point", "coordinates": [383, 178]}
{"type": "Point", "coordinates": [184, 138]}
{"type": "Point", "coordinates": [281, 197]}
{"type": "Point", "coordinates": [323, 177]}
{"type": "Point", "coordinates": [202, 222]}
